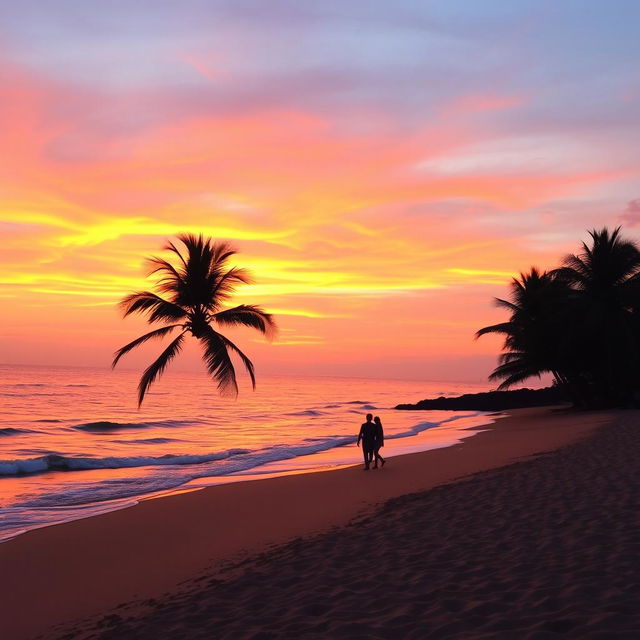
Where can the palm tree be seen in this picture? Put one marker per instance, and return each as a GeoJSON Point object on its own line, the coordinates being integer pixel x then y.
{"type": "Point", "coordinates": [605, 279]}
{"type": "Point", "coordinates": [580, 322]}
{"type": "Point", "coordinates": [195, 290]}
{"type": "Point", "coordinates": [532, 343]}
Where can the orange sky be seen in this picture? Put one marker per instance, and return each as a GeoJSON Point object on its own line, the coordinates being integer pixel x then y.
{"type": "Point", "coordinates": [379, 220]}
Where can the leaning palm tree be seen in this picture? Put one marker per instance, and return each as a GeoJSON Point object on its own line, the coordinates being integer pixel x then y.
{"type": "Point", "coordinates": [195, 290]}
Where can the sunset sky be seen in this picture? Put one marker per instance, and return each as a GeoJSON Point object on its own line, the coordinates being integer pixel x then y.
{"type": "Point", "coordinates": [383, 167]}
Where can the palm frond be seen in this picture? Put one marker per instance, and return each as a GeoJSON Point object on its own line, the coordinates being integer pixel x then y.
{"type": "Point", "coordinates": [218, 362]}
{"type": "Point", "coordinates": [248, 365]}
{"type": "Point", "coordinates": [499, 302]}
{"type": "Point", "coordinates": [516, 370]}
{"type": "Point", "coordinates": [225, 283]}
{"type": "Point", "coordinates": [157, 367]}
{"type": "Point", "coordinates": [158, 333]}
{"type": "Point", "coordinates": [250, 316]}
{"type": "Point", "coordinates": [222, 251]}
{"type": "Point", "coordinates": [574, 270]}
{"type": "Point", "coordinates": [503, 328]}
{"type": "Point", "coordinates": [510, 357]}
{"type": "Point", "coordinates": [151, 304]}
{"type": "Point", "coordinates": [609, 261]}
{"type": "Point", "coordinates": [172, 247]}
{"type": "Point", "coordinates": [172, 281]}
{"type": "Point", "coordinates": [157, 264]}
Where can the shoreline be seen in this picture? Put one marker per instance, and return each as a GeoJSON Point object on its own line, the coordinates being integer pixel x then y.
{"type": "Point", "coordinates": [142, 552]}
{"type": "Point", "coordinates": [448, 432]}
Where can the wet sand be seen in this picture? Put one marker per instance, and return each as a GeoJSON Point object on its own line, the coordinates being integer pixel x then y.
{"type": "Point", "coordinates": [457, 561]}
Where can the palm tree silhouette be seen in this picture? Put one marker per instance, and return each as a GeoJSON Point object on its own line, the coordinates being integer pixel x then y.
{"type": "Point", "coordinates": [532, 337]}
{"type": "Point", "coordinates": [605, 280]}
{"type": "Point", "coordinates": [580, 322]}
{"type": "Point", "coordinates": [195, 290]}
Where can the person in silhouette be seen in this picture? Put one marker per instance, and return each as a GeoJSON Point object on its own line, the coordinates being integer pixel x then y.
{"type": "Point", "coordinates": [379, 443]}
{"type": "Point", "coordinates": [367, 434]}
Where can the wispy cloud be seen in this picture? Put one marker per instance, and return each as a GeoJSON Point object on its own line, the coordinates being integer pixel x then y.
{"type": "Point", "coordinates": [383, 170]}
{"type": "Point", "coordinates": [631, 213]}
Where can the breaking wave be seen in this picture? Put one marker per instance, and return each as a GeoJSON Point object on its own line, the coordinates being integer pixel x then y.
{"type": "Point", "coordinates": [54, 462]}
{"type": "Point", "coordinates": [250, 458]}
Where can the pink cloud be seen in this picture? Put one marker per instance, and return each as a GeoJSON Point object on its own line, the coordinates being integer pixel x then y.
{"type": "Point", "coordinates": [365, 214]}
{"type": "Point", "coordinates": [477, 102]}
{"type": "Point", "coordinates": [631, 214]}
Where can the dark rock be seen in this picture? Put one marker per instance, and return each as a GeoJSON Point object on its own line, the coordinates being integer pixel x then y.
{"type": "Point", "coordinates": [493, 400]}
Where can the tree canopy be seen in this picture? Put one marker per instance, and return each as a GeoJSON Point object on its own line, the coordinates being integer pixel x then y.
{"type": "Point", "coordinates": [579, 322]}
{"type": "Point", "coordinates": [192, 293]}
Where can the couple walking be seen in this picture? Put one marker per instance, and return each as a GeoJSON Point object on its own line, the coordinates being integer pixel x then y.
{"type": "Point", "coordinates": [372, 437]}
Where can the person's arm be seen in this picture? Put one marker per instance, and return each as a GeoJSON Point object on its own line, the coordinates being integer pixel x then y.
{"type": "Point", "coordinates": [359, 436]}
{"type": "Point", "coordinates": [381, 435]}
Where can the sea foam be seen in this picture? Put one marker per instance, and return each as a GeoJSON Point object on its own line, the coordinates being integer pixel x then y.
{"type": "Point", "coordinates": [54, 462]}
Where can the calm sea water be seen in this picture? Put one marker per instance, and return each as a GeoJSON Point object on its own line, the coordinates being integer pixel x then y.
{"type": "Point", "coordinates": [73, 443]}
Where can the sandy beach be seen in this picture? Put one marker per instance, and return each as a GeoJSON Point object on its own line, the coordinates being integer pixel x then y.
{"type": "Point", "coordinates": [540, 547]}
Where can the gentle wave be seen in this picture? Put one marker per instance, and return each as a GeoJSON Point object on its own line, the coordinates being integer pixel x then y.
{"type": "Point", "coordinates": [219, 465]}
{"type": "Point", "coordinates": [105, 426]}
{"type": "Point", "coordinates": [191, 470]}
{"type": "Point", "coordinates": [30, 394]}
{"type": "Point", "coordinates": [423, 426]}
{"type": "Point", "coordinates": [54, 462]}
{"type": "Point", "coordinates": [28, 384]}
{"type": "Point", "coordinates": [307, 413]}
{"type": "Point", "coordinates": [364, 406]}
{"type": "Point", "coordinates": [12, 431]}
{"type": "Point", "coordinates": [147, 441]}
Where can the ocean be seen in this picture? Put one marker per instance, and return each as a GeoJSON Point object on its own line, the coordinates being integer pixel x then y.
{"type": "Point", "coordinates": [73, 442]}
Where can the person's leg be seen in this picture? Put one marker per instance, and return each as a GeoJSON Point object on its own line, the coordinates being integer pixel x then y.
{"type": "Point", "coordinates": [379, 457]}
{"type": "Point", "coordinates": [365, 454]}
{"type": "Point", "coordinates": [370, 455]}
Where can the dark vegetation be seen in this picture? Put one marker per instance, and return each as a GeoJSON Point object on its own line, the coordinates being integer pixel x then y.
{"type": "Point", "coordinates": [494, 400]}
{"type": "Point", "coordinates": [195, 290]}
{"type": "Point", "coordinates": [579, 322]}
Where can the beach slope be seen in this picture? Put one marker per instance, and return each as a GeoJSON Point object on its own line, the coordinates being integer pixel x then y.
{"type": "Point", "coordinates": [83, 568]}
